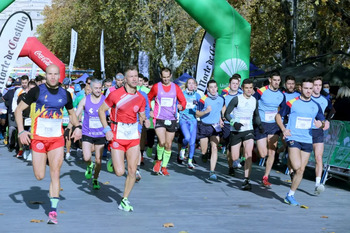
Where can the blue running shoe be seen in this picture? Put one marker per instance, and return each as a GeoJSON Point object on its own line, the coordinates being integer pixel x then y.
{"type": "Point", "coordinates": [212, 176]}
{"type": "Point", "coordinates": [291, 201]}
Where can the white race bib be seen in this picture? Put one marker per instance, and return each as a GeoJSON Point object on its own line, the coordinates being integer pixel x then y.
{"type": "Point", "coordinates": [65, 120]}
{"type": "Point", "coordinates": [190, 105]}
{"type": "Point", "coordinates": [28, 122]}
{"type": "Point", "coordinates": [270, 116]}
{"type": "Point", "coordinates": [246, 121]}
{"type": "Point", "coordinates": [95, 123]}
{"type": "Point", "coordinates": [47, 127]}
{"type": "Point", "coordinates": [303, 123]}
{"type": "Point", "coordinates": [127, 131]}
{"type": "Point", "coordinates": [167, 102]}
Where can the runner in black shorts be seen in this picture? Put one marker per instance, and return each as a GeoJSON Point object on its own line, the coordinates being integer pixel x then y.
{"type": "Point", "coordinates": [244, 109]}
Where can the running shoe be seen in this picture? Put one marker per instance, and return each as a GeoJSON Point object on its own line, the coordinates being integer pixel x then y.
{"type": "Point", "coordinates": [20, 154]}
{"type": "Point", "coordinates": [319, 189]}
{"type": "Point", "coordinates": [138, 176]}
{"type": "Point", "coordinates": [125, 205]}
{"type": "Point", "coordinates": [156, 167]}
{"type": "Point", "coordinates": [88, 172]}
{"type": "Point", "coordinates": [265, 182]}
{"type": "Point", "coordinates": [165, 171]}
{"type": "Point", "coordinates": [291, 201]}
{"type": "Point", "coordinates": [96, 184]}
{"type": "Point", "coordinates": [52, 218]}
{"type": "Point", "coordinates": [68, 156]}
{"type": "Point", "coordinates": [182, 154]}
{"type": "Point", "coordinates": [205, 158]}
{"type": "Point", "coordinates": [110, 165]}
{"type": "Point", "coordinates": [190, 166]}
{"type": "Point", "coordinates": [237, 164]}
{"type": "Point", "coordinates": [246, 185]}
{"type": "Point", "coordinates": [231, 171]}
{"type": "Point", "coordinates": [212, 176]}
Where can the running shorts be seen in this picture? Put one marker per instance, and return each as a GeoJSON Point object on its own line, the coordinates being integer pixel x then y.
{"type": "Point", "coordinates": [44, 146]}
{"type": "Point", "coordinates": [95, 141]}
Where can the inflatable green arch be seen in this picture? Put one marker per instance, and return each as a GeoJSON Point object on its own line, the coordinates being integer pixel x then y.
{"type": "Point", "coordinates": [232, 34]}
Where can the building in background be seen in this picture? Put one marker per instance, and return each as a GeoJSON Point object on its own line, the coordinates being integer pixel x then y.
{"type": "Point", "coordinates": [33, 7]}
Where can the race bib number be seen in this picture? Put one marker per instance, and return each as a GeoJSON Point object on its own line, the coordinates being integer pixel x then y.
{"type": "Point", "coordinates": [190, 105]}
{"type": "Point", "coordinates": [49, 127]}
{"type": "Point", "coordinates": [246, 121]}
{"type": "Point", "coordinates": [66, 120]}
{"type": "Point", "coordinates": [95, 123]}
{"type": "Point", "coordinates": [127, 131]}
{"type": "Point", "coordinates": [303, 123]}
{"type": "Point", "coordinates": [270, 116]}
{"type": "Point", "coordinates": [167, 122]}
{"type": "Point", "coordinates": [167, 102]}
{"type": "Point", "coordinates": [28, 122]}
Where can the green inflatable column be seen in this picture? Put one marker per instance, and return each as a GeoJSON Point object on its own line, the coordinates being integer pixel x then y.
{"type": "Point", "coordinates": [4, 4]}
{"type": "Point", "coordinates": [232, 34]}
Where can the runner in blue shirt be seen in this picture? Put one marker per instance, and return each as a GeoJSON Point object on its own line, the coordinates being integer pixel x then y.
{"type": "Point", "coordinates": [317, 134]}
{"type": "Point", "coordinates": [209, 112]}
{"type": "Point", "coordinates": [232, 92]}
{"type": "Point", "coordinates": [270, 98]}
{"type": "Point", "coordinates": [303, 112]}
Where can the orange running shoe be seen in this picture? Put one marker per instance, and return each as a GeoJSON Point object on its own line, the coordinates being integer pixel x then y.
{"type": "Point", "coordinates": [156, 167]}
{"type": "Point", "coordinates": [165, 171]}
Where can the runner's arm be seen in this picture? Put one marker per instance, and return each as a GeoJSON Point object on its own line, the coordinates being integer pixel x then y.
{"type": "Point", "coordinates": [19, 115]}
{"type": "Point", "coordinates": [256, 116]}
{"type": "Point", "coordinates": [233, 103]}
{"type": "Point", "coordinates": [102, 114]}
{"type": "Point", "coordinates": [81, 107]}
{"type": "Point", "coordinates": [180, 98]}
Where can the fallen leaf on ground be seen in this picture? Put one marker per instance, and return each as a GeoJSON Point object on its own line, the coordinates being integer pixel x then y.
{"type": "Point", "coordinates": [288, 181]}
{"type": "Point", "coordinates": [61, 189]}
{"type": "Point", "coordinates": [278, 172]}
{"type": "Point", "coordinates": [62, 212]}
{"type": "Point", "coordinates": [168, 224]}
{"type": "Point", "coordinates": [183, 232]}
{"type": "Point", "coordinates": [36, 220]}
{"type": "Point", "coordinates": [304, 207]}
{"type": "Point", "coordinates": [1, 214]}
{"type": "Point", "coordinates": [324, 216]}
{"type": "Point", "coordinates": [107, 182]}
{"type": "Point", "coordinates": [36, 202]}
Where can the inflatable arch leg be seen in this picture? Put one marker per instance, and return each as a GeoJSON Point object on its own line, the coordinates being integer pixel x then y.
{"type": "Point", "coordinates": [232, 34]}
{"type": "Point", "coordinates": [41, 56]}
{"type": "Point", "coordinates": [5, 3]}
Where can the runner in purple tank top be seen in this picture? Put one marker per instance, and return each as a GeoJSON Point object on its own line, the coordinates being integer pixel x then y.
{"type": "Point", "coordinates": [93, 136]}
{"type": "Point", "coordinates": [166, 94]}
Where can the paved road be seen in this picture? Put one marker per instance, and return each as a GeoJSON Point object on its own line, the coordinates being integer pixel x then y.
{"type": "Point", "coordinates": [185, 198]}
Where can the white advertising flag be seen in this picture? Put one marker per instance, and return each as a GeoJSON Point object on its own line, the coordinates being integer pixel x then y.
{"type": "Point", "coordinates": [33, 72]}
{"type": "Point", "coordinates": [102, 54]}
{"type": "Point", "coordinates": [205, 62]}
{"type": "Point", "coordinates": [73, 48]}
{"type": "Point", "coordinates": [12, 38]}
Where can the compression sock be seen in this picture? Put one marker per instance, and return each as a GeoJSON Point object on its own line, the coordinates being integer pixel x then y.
{"type": "Point", "coordinates": [166, 158]}
{"type": "Point", "coordinates": [318, 181]}
{"type": "Point", "coordinates": [160, 151]}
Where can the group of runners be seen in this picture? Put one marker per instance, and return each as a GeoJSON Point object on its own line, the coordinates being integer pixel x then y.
{"type": "Point", "coordinates": [130, 116]}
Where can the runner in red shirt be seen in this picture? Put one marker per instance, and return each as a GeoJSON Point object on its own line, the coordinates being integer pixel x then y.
{"type": "Point", "coordinates": [123, 134]}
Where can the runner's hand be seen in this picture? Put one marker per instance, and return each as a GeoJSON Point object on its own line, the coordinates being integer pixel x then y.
{"type": "Point", "coordinates": [318, 123]}
{"type": "Point", "coordinates": [326, 125]}
{"type": "Point", "coordinates": [147, 123]}
{"type": "Point", "coordinates": [237, 126]}
{"type": "Point", "coordinates": [179, 106]}
{"type": "Point", "coordinates": [151, 114]}
{"type": "Point", "coordinates": [286, 133]}
{"type": "Point", "coordinates": [25, 137]}
{"type": "Point", "coordinates": [76, 135]}
{"type": "Point", "coordinates": [109, 136]}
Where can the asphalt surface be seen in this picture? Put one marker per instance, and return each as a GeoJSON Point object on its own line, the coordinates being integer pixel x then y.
{"type": "Point", "coordinates": [185, 198]}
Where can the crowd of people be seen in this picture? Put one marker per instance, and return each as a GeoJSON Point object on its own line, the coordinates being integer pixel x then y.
{"type": "Point", "coordinates": [128, 115]}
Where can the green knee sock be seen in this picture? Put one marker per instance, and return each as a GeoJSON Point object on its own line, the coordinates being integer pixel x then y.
{"type": "Point", "coordinates": [160, 151]}
{"type": "Point", "coordinates": [166, 158]}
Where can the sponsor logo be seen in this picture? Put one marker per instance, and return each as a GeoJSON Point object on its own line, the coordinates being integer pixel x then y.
{"type": "Point", "coordinates": [136, 108]}
{"type": "Point", "coordinates": [40, 146]}
{"type": "Point", "coordinates": [115, 144]}
{"type": "Point", "coordinates": [44, 59]}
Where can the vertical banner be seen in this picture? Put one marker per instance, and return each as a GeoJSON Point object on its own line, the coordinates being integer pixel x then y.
{"type": "Point", "coordinates": [5, 3]}
{"type": "Point", "coordinates": [33, 71]}
{"type": "Point", "coordinates": [102, 56]}
{"type": "Point", "coordinates": [73, 49]}
{"type": "Point", "coordinates": [143, 63]}
{"type": "Point", "coordinates": [205, 62]}
{"type": "Point", "coordinates": [12, 38]}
